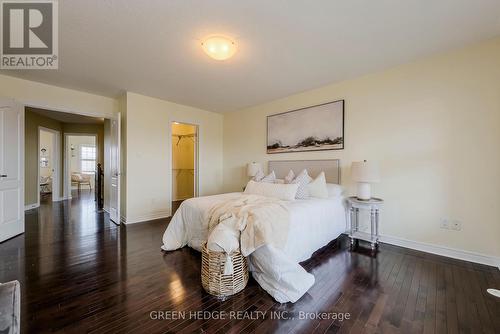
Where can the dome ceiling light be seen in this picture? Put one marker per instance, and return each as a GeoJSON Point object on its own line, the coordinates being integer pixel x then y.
{"type": "Point", "coordinates": [219, 47]}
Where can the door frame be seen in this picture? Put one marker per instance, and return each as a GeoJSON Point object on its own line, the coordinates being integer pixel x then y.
{"type": "Point", "coordinates": [119, 219]}
{"type": "Point", "coordinates": [67, 150]}
{"type": "Point", "coordinates": [196, 158]}
{"type": "Point", "coordinates": [23, 103]}
{"type": "Point", "coordinates": [56, 163]}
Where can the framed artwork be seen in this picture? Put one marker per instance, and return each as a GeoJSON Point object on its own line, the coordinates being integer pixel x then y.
{"type": "Point", "coordinates": [315, 128]}
{"type": "Point", "coordinates": [44, 158]}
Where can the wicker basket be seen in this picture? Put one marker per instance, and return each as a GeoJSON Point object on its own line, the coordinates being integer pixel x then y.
{"type": "Point", "coordinates": [212, 269]}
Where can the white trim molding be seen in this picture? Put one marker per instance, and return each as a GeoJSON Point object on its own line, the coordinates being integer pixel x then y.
{"type": "Point", "coordinates": [145, 218]}
{"type": "Point", "coordinates": [31, 206]}
{"type": "Point", "coordinates": [442, 250]}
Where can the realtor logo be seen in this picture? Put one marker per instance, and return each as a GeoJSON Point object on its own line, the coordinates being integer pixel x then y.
{"type": "Point", "coordinates": [29, 34]}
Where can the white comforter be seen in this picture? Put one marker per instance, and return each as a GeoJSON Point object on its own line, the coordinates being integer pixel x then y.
{"type": "Point", "coordinates": [313, 223]}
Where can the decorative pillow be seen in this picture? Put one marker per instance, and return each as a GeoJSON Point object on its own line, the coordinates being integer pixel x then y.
{"type": "Point", "coordinates": [317, 187]}
{"type": "Point", "coordinates": [302, 180]}
{"type": "Point", "coordinates": [285, 192]}
{"type": "Point", "coordinates": [290, 176]}
{"type": "Point", "coordinates": [334, 189]}
{"type": "Point", "coordinates": [279, 181]}
{"type": "Point", "coordinates": [270, 178]}
{"type": "Point", "coordinates": [259, 176]}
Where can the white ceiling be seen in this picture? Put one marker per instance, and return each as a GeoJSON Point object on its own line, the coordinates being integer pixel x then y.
{"type": "Point", "coordinates": [65, 117]}
{"type": "Point", "coordinates": [285, 46]}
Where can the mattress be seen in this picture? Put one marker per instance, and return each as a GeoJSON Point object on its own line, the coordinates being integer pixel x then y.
{"type": "Point", "coordinates": [313, 223]}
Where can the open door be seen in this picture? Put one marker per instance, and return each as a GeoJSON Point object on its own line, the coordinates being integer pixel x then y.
{"type": "Point", "coordinates": [11, 169]}
{"type": "Point", "coordinates": [114, 193]}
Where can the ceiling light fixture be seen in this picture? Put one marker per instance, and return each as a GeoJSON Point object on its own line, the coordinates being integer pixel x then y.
{"type": "Point", "coordinates": [219, 47]}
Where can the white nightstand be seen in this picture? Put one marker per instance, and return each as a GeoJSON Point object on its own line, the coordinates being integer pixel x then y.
{"type": "Point", "coordinates": [354, 205]}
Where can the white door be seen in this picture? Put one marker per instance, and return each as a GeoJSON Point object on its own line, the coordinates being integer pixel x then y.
{"type": "Point", "coordinates": [114, 192]}
{"type": "Point", "coordinates": [11, 169]}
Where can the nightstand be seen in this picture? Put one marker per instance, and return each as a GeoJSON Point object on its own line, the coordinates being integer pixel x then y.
{"type": "Point", "coordinates": [373, 205]}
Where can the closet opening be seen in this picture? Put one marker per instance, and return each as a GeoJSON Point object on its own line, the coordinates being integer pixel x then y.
{"type": "Point", "coordinates": [184, 163]}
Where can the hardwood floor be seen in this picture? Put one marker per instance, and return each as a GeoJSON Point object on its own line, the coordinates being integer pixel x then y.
{"type": "Point", "coordinates": [175, 205]}
{"type": "Point", "coordinates": [79, 272]}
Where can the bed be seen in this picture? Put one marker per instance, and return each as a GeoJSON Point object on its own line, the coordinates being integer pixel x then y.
{"type": "Point", "coordinates": [313, 223]}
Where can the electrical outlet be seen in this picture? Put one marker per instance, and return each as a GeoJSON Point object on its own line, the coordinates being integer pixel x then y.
{"type": "Point", "coordinates": [456, 225]}
{"type": "Point", "coordinates": [444, 223]}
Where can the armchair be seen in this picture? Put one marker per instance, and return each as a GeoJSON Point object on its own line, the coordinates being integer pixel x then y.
{"type": "Point", "coordinates": [81, 179]}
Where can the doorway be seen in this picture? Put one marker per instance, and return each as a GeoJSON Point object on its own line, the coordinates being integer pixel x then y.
{"type": "Point", "coordinates": [49, 153]}
{"type": "Point", "coordinates": [184, 163]}
{"type": "Point", "coordinates": [80, 165]}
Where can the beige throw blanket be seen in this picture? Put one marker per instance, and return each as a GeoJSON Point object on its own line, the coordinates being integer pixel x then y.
{"type": "Point", "coordinates": [261, 221]}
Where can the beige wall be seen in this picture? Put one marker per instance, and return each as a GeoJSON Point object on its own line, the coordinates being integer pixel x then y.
{"type": "Point", "coordinates": [434, 127]}
{"type": "Point", "coordinates": [148, 148]}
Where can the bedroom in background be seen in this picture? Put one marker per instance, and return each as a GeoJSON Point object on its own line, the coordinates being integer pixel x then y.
{"type": "Point", "coordinates": [48, 170]}
{"type": "Point", "coordinates": [184, 156]}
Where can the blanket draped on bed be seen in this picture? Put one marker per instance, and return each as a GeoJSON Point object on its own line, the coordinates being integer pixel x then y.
{"type": "Point", "coordinates": [261, 221]}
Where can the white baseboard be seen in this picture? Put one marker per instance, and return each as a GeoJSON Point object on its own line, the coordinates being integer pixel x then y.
{"type": "Point", "coordinates": [31, 206]}
{"type": "Point", "coordinates": [443, 251]}
{"type": "Point", "coordinates": [144, 218]}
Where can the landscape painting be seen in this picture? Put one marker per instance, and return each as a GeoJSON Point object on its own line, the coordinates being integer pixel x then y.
{"type": "Point", "coordinates": [313, 128]}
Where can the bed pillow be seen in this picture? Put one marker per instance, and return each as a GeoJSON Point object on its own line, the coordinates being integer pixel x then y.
{"type": "Point", "coordinates": [285, 192]}
{"type": "Point", "coordinates": [334, 189]}
{"type": "Point", "coordinates": [270, 178]}
{"type": "Point", "coordinates": [317, 188]}
{"type": "Point", "coordinates": [302, 180]}
{"type": "Point", "coordinates": [290, 176]}
{"type": "Point", "coordinates": [260, 177]}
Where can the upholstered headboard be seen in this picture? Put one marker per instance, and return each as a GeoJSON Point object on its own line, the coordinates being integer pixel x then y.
{"type": "Point", "coordinates": [314, 167]}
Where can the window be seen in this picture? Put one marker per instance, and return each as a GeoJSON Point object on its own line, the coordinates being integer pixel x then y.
{"type": "Point", "coordinates": [87, 159]}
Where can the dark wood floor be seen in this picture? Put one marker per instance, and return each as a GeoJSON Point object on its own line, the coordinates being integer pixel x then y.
{"type": "Point", "coordinates": [81, 273]}
{"type": "Point", "coordinates": [176, 205]}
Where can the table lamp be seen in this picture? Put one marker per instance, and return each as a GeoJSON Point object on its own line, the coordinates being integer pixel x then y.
{"type": "Point", "coordinates": [364, 173]}
{"type": "Point", "coordinates": [253, 168]}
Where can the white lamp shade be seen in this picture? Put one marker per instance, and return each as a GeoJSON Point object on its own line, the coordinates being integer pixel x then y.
{"type": "Point", "coordinates": [253, 168]}
{"type": "Point", "coordinates": [365, 171]}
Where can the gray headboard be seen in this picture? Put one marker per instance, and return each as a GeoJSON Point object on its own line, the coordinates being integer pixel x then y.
{"type": "Point", "coordinates": [314, 167]}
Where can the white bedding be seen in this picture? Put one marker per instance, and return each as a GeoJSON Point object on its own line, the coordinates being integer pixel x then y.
{"type": "Point", "coordinates": [313, 224]}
